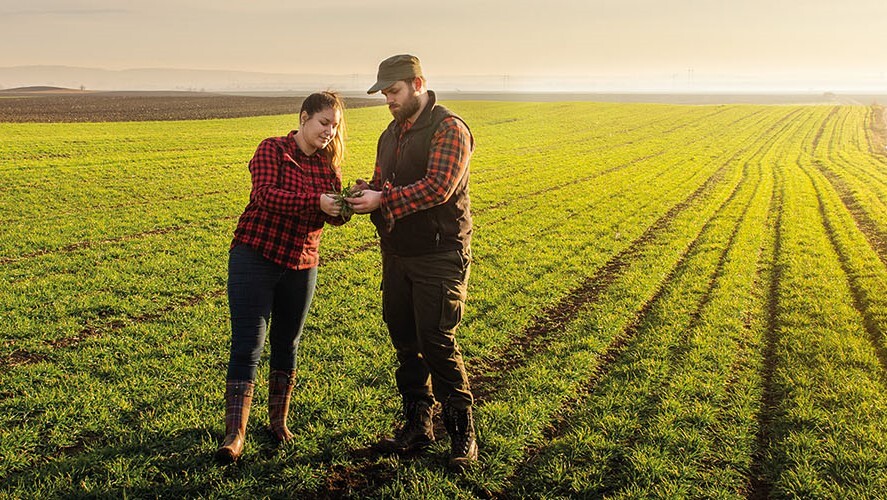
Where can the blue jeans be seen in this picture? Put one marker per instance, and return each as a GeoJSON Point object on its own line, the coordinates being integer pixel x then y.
{"type": "Point", "coordinates": [259, 291]}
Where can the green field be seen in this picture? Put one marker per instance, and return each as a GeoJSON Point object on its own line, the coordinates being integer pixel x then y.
{"type": "Point", "coordinates": [666, 301]}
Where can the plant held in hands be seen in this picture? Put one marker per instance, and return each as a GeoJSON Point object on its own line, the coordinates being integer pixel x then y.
{"type": "Point", "coordinates": [340, 196]}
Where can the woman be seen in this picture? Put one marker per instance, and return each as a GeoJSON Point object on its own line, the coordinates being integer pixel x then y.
{"type": "Point", "coordinates": [272, 266]}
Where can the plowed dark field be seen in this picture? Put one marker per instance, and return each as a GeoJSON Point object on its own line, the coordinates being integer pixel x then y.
{"type": "Point", "coordinates": [144, 106]}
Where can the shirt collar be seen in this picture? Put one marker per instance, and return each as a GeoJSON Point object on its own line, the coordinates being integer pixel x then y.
{"type": "Point", "coordinates": [294, 146]}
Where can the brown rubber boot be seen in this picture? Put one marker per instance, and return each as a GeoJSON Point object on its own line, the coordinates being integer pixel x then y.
{"type": "Point", "coordinates": [280, 392]}
{"type": "Point", "coordinates": [416, 432]}
{"type": "Point", "coordinates": [238, 398]}
{"type": "Point", "coordinates": [460, 427]}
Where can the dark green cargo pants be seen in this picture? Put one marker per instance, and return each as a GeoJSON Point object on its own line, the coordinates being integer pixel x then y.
{"type": "Point", "coordinates": [423, 299]}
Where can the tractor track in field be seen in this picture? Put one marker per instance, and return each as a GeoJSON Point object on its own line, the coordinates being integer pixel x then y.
{"type": "Point", "coordinates": [718, 272]}
{"type": "Point", "coordinates": [619, 343]}
{"type": "Point", "coordinates": [759, 484]}
{"type": "Point", "coordinates": [557, 315]}
{"type": "Point", "coordinates": [683, 347]}
{"type": "Point", "coordinates": [746, 347]}
{"type": "Point", "coordinates": [856, 291]}
{"type": "Point", "coordinates": [544, 230]}
{"type": "Point", "coordinates": [866, 225]}
{"type": "Point", "coordinates": [562, 416]}
{"type": "Point", "coordinates": [860, 302]}
{"type": "Point", "coordinates": [612, 352]}
{"type": "Point", "coordinates": [770, 270]}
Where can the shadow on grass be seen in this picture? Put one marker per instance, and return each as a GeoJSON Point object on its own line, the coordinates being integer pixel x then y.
{"type": "Point", "coordinates": [161, 464]}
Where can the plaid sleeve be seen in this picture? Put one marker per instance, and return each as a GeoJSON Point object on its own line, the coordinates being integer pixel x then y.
{"type": "Point", "coordinates": [376, 181]}
{"type": "Point", "coordinates": [265, 171]}
{"type": "Point", "coordinates": [447, 162]}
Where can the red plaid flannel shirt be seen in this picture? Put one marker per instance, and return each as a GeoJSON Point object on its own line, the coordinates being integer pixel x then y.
{"type": "Point", "coordinates": [283, 220]}
{"type": "Point", "coordinates": [447, 162]}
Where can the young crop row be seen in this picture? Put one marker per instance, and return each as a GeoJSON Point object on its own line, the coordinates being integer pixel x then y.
{"type": "Point", "coordinates": [665, 301]}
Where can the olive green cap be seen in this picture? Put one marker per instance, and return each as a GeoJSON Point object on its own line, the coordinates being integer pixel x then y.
{"type": "Point", "coordinates": [394, 69]}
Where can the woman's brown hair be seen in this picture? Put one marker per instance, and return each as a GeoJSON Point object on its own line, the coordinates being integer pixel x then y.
{"type": "Point", "coordinates": [319, 101]}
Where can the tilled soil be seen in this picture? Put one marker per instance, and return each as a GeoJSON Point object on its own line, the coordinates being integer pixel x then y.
{"type": "Point", "coordinates": [146, 106]}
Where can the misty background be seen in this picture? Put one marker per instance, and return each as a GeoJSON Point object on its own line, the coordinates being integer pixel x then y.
{"type": "Point", "coordinates": [515, 45]}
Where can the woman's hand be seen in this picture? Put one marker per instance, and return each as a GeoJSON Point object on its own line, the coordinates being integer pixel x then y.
{"type": "Point", "coordinates": [330, 206]}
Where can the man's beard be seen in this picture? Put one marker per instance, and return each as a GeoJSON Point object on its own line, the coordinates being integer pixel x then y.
{"type": "Point", "coordinates": [407, 110]}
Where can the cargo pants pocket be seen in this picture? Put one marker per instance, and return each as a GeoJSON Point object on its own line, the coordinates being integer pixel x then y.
{"type": "Point", "coordinates": [452, 307]}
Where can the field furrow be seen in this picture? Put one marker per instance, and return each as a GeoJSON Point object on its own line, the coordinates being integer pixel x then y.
{"type": "Point", "coordinates": [856, 190]}
{"type": "Point", "coordinates": [823, 441]}
{"type": "Point", "coordinates": [604, 428]}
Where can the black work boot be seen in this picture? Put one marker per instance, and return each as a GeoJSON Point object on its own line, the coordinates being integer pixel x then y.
{"type": "Point", "coordinates": [460, 427]}
{"type": "Point", "coordinates": [416, 432]}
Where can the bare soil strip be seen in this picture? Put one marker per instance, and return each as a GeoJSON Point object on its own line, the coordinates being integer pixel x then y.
{"type": "Point", "coordinates": [149, 106]}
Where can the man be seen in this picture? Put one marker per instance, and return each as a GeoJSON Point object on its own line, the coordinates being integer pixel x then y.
{"type": "Point", "coordinates": [418, 201]}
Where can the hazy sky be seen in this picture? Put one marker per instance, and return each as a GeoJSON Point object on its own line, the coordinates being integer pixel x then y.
{"type": "Point", "coordinates": [835, 40]}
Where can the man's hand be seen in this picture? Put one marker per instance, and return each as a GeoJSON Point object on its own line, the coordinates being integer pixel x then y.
{"type": "Point", "coordinates": [368, 202]}
{"type": "Point", "coordinates": [360, 185]}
